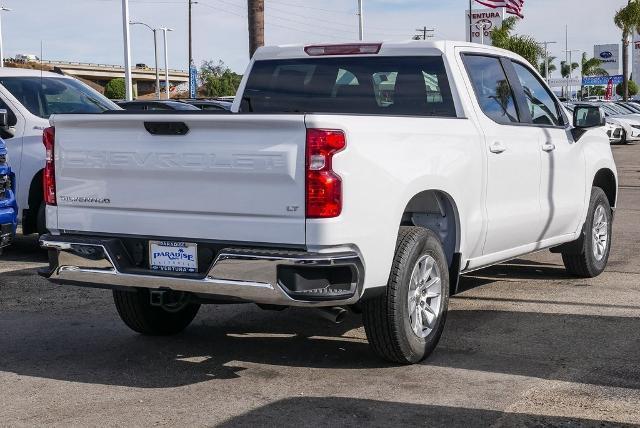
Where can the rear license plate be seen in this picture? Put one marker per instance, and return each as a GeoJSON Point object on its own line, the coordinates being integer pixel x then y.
{"type": "Point", "coordinates": [173, 256]}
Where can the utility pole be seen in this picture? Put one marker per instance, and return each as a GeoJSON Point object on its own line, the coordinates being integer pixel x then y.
{"type": "Point", "coordinates": [166, 61]}
{"type": "Point", "coordinates": [546, 59]}
{"type": "Point", "coordinates": [470, 21]}
{"type": "Point", "coordinates": [155, 51]}
{"type": "Point", "coordinates": [256, 25]}
{"type": "Point", "coordinates": [191, 64]}
{"type": "Point", "coordinates": [128, 85]}
{"type": "Point", "coordinates": [360, 21]}
{"type": "Point", "coordinates": [424, 31]}
{"type": "Point", "coordinates": [2, 9]}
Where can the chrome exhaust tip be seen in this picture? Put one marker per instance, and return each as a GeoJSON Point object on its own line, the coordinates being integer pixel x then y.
{"type": "Point", "coordinates": [334, 314]}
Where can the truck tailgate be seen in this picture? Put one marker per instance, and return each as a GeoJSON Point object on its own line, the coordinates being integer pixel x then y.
{"type": "Point", "coordinates": [228, 178]}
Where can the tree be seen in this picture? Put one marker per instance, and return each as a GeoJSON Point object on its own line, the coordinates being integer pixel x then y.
{"type": "Point", "coordinates": [218, 80]}
{"type": "Point", "coordinates": [115, 89]}
{"type": "Point", "coordinates": [627, 19]}
{"type": "Point", "coordinates": [592, 66]}
{"type": "Point", "coordinates": [525, 46]}
{"type": "Point", "coordinates": [552, 67]}
{"type": "Point", "coordinates": [565, 70]}
{"type": "Point", "coordinates": [632, 88]}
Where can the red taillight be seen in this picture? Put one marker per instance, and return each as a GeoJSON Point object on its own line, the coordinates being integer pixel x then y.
{"type": "Point", "coordinates": [350, 49]}
{"type": "Point", "coordinates": [324, 187]}
{"type": "Point", "coordinates": [49, 176]}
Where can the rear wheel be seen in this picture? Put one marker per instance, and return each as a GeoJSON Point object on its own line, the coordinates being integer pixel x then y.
{"type": "Point", "coordinates": [171, 317]}
{"type": "Point", "coordinates": [593, 253]}
{"type": "Point", "coordinates": [405, 324]}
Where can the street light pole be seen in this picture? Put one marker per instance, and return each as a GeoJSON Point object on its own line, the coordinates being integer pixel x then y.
{"type": "Point", "coordinates": [127, 51]}
{"type": "Point", "coordinates": [2, 9]}
{"type": "Point", "coordinates": [155, 50]}
{"type": "Point", "coordinates": [360, 21]}
{"type": "Point", "coordinates": [166, 61]}
{"type": "Point", "coordinates": [569, 64]}
{"type": "Point", "coordinates": [546, 58]}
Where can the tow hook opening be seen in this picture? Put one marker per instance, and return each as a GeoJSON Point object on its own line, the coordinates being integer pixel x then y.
{"type": "Point", "coordinates": [169, 300]}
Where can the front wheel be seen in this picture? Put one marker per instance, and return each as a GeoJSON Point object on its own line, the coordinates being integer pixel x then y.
{"type": "Point", "coordinates": [593, 254]}
{"type": "Point", "coordinates": [137, 312]}
{"type": "Point", "coordinates": [405, 324]}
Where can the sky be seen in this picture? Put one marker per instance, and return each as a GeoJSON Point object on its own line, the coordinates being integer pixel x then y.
{"type": "Point", "coordinates": [91, 30]}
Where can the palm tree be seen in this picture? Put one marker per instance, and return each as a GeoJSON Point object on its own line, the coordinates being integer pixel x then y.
{"type": "Point", "coordinates": [628, 20]}
{"type": "Point", "coordinates": [592, 66]}
{"type": "Point", "coordinates": [525, 46]}
{"type": "Point", "coordinates": [564, 68]}
{"type": "Point", "coordinates": [552, 67]}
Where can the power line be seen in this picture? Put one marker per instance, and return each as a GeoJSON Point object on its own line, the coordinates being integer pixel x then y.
{"type": "Point", "coordinates": [424, 36]}
{"type": "Point", "coordinates": [275, 24]}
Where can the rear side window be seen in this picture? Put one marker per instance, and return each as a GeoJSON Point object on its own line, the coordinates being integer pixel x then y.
{"type": "Point", "coordinates": [414, 86]}
{"type": "Point", "coordinates": [492, 88]}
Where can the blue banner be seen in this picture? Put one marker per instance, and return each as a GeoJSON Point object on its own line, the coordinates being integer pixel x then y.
{"type": "Point", "coordinates": [193, 81]}
{"type": "Point", "coordinates": [601, 80]}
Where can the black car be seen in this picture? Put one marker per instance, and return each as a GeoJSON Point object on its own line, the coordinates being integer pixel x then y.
{"type": "Point", "coordinates": [210, 105]}
{"type": "Point", "coordinates": [155, 105]}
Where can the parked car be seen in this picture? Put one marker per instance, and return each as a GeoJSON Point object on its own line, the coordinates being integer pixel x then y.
{"type": "Point", "coordinates": [614, 130]}
{"type": "Point", "coordinates": [155, 105]}
{"type": "Point", "coordinates": [629, 122]}
{"type": "Point", "coordinates": [30, 98]}
{"type": "Point", "coordinates": [210, 105]}
{"type": "Point", "coordinates": [8, 207]}
{"type": "Point", "coordinates": [320, 192]}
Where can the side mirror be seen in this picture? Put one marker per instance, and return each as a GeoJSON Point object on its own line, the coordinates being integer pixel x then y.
{"type": "Point", "coordinates": [586, 117]}
{"type": "Point", "coordinates": [4, 118]}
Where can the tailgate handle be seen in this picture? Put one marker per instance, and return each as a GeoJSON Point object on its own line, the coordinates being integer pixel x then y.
{"type": "Point", "coordinates": [166, 128]}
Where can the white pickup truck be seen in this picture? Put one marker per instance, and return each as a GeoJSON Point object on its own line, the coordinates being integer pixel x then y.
{"type": "Point", "coordinates": [365, 175]}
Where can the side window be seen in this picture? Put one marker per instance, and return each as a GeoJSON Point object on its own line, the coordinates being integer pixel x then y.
{"type": "Point", "coordinates": [13, 120]}
{"type": "Point", "coordinates": [542, 106]}
{"type": "Point", "coordinates": [492, 88]}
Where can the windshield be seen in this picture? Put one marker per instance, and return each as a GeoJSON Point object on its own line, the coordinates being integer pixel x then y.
{"type": "Point", "coordinates": [607, 108]}
{"type": "Point", "coordinates": [372, 85]}
{"type": "Point", "coordinates": [44, 96]}
{"type": "Point", "coordinates": [628, 107]}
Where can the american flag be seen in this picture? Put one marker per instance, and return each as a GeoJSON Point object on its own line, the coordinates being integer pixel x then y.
{"type": "Point", "coordinates": [513, 7]}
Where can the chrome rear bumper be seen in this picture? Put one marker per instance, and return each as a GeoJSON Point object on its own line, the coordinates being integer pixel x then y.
{"type": "Point", "coordinates": [236, 274]}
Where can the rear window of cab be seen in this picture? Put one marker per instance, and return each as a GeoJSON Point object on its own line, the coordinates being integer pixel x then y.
{"type": "Point", "coordinates": [413, 86]}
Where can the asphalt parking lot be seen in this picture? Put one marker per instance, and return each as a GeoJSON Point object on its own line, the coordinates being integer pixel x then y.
{"type": "Point", "coordinates": [524, 345]}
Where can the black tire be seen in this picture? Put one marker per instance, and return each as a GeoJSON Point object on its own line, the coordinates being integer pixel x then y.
{"type": "Point", "coordinates": [135, 309]}
{"type": "Point", "coordinates": [41, 220]}
{"type": "Point", "coordinates": [583, 262]}
{"type": "Point", "coordinates": [386, 317]}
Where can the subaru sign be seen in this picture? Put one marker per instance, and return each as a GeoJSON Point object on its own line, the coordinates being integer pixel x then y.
{"type": "Point", "coordinates": [609, 56]}
{"type": "Point", "coordinates": [601, 80]}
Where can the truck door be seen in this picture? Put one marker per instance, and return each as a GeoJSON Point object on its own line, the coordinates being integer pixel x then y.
{"type": "Point", "coordinates": [562, 180]}
{"type": "Point", "coordinates": [513, 158]}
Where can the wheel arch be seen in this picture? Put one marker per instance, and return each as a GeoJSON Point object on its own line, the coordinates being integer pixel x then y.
{"type": "Point", "coordinates": [437, 211]}
{"type": "Point", "coordinates": [605, 179]}
{"type": "Point", "coordinates": [36, 196]}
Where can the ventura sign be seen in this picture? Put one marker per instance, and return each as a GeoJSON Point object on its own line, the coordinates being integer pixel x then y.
{"type": "Point", "coordinates": [601, 80]}
{"type": "Point", "coordinates": [609, 56]}
{"type": "Point", "coordinates": [483, 21]}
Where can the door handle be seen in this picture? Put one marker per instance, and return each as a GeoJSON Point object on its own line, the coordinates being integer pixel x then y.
{"type": "Point", "coordinates": [497, 147]}
{"type": "Point", "coordinates": [548, 147]}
